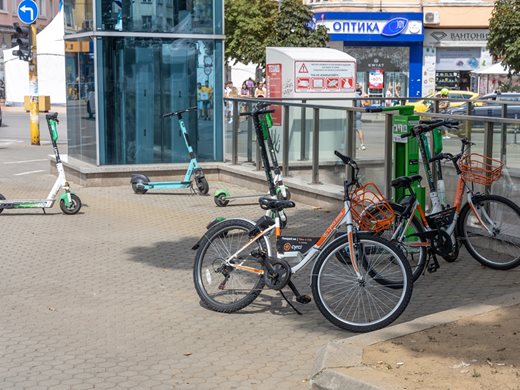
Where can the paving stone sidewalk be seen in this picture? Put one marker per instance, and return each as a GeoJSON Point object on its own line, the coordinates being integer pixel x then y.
{"type": "Point", "coordinates": [105, 299]}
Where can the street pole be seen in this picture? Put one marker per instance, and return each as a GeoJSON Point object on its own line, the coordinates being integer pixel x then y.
{"type": "Point", "coordinates": [33, 91]}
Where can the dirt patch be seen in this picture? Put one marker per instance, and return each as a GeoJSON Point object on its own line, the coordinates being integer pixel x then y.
{"type": "Point", "coordinates": [480, 352]}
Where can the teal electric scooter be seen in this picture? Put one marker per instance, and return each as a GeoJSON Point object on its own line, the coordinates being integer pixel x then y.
{"type": "Point", "coordinates": [69, 202]}
{"type": "Point", "coordinates": [141, 183]}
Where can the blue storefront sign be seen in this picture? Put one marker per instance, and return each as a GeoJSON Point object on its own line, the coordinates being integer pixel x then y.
{"type": "Point", "coordinates": [380, 29]}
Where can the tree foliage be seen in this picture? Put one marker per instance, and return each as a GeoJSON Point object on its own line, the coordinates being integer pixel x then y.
{"type": "Point", "coordinates": [252, 25]}
{"type": "Point", "coordinates": [248, 29]}
{"type": "Point", "coordinates": [504, 33]}
{"type": "Point", "coordinates": [295, 27]}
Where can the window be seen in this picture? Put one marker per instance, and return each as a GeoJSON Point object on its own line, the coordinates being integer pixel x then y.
{"type": "Point", "coordinates": [3, 5]}
{"type": "Point", "coordinates": [42, 8]}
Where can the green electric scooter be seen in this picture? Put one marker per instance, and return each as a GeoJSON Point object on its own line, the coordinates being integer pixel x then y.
{"type": "Point", "coordinates": [141, 183]}
{"type": "Point", "coordinates": [69, 202]}
{"type": "Point", "coordinates": [262, 122]}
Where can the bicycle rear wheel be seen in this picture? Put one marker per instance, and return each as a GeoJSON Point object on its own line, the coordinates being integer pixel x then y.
{"type": "Point", "coordinates": [492, 238]}
{"type": "Point", "coordinates": [220, 286]}
{"type": "Point", "coordinates": [366, 304]}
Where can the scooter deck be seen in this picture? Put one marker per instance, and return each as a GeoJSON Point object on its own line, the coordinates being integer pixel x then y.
{"type": "Point", "coordinates": [167, 184]}
{"type": "Point", "coordinates": [26, 204]}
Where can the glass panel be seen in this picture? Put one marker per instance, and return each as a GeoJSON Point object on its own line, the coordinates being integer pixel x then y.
{"type": "Point", "coordinates": [176, 16]}
{"type": "Point", "coordinates": [81, 99]}
{"type": "Point", "coordinates": [145, 78]}
{"type": "Point", "coordinates": [78, 16]}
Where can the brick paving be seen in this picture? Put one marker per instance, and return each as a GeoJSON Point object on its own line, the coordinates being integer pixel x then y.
{"type": "Point", "coordinates": [105, 299]}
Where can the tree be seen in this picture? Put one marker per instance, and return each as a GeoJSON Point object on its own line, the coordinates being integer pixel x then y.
{"type": "Point", "coordinates": [296, 27]}
{"type": "Point", "coordinates": [252, 25]}
{"type": "Point", "coordinates": [504, 33]}
{"type": "Point", "coordinates": [249, 26]}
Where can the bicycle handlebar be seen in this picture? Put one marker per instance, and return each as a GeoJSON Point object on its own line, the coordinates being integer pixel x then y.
{"type": "Point", "coordinates": [179, 112]}
{"type": "Point", "coordinates": [428, 125]}
{"type": "Point", "coordinates": [346, 160]}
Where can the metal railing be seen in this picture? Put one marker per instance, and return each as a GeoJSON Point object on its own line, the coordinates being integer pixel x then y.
{"type": "Point", "coordinates": [320, 104]}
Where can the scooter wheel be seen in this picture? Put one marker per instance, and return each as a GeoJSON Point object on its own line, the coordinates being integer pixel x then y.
{"type": "Point", "coordinates": [2, 198]}
{"type": "Point", "coordinates": [202, 185]}
{"type": "Point", "coordinates": [138, 187]}
{"type": "Point", "coordinates": [74, 207]}
{"type": "Point", "coordinates": [221, 200]}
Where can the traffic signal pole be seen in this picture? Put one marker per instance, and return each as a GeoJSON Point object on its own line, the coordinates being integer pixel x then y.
{"type": "Point", "coordinates": [34, 118]}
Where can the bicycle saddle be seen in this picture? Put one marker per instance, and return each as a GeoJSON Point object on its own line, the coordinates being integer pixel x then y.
{"type": "Point", "coordinates": [275, 204]}
{"type": "Point", "coordinates": [405, 181]}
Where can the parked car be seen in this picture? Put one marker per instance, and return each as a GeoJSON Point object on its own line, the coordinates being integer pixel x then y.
{"type": "Point", "coordinates": [487, 106]}
{"type": "Point", "coordinates": [425, 105]}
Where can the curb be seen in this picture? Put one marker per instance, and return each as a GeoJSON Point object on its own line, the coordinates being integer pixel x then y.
{"type": "Point", "coordinates": [339, 365]}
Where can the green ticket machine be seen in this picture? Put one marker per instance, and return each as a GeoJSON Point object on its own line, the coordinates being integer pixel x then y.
{"type": "Point", "coordinates": [405, 150]}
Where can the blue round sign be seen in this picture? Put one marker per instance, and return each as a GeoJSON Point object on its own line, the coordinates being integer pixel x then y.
{"type": "Point", "coordinates": [27, 11]}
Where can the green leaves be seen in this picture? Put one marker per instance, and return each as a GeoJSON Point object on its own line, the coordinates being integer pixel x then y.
{"type": "Point", "coordinates": [252, 25]}
{"type": "Point", "coordinates": [504, 33]}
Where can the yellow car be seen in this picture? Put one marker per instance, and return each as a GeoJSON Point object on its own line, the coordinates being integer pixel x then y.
{"type": "Point", "coordinates": [424, 105]}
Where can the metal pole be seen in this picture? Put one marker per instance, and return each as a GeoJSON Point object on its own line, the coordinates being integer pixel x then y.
{"type": "Point", "coordinates": [388, 155]}
{"type": "Point", "coordinates": [303, 134]}
{"type": "Point", "coordinates": [488, 145]}
{"type": "Point", "coordinates": [350, 140]}
{"type": "Point", "coordinates": [467, 123]}
{"type": "Point", "coordinates": [503, 138]}
{"type": "Point", "coordinates": [249, 135]}
{"type": "Point", "coordinates": [34, 120]}
{"type": "Point", "coordinates": [234, 136]}
{"type": "Point", "coordinates": [285, 141]}
{"type": "Point", "coordinates": [316, 146]}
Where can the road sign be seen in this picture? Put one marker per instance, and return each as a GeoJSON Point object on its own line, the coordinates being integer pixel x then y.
{"type": "Point", "coordinates": [27, 11]}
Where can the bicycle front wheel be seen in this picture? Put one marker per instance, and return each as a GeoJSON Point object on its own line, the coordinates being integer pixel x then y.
{"type": "Point", "coordinates": [362, 304]}
{"type": "Point", "coordinates": [490, 232]}
{"type": "Point", "coordinates": [220, 285]}
{"type": "Point", "coordinates": [412, 243]}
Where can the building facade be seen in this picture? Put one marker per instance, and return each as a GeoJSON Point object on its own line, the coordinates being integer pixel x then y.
{"type": "Point", "coordinates": [9, 15]}
{"type": "Point", "coordinates": [453, 45]}
{"type": "Point", "coordinates": [128, 63]}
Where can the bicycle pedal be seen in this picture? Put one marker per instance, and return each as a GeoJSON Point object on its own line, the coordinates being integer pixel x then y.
{"type": "Point", "coordinates": [303, 299]}
{"type": "Point", "coordinates": [259, 254]}
{"type": "Point", "coordinates": [433, 268]}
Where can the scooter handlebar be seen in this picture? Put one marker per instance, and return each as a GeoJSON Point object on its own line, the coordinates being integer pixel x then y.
{"type": "Point", "coordinates": [259, 112]}
{"type": "Point", "coordinates": [53, 116]}
{"type": "Point", "coordinates": [179, 112]}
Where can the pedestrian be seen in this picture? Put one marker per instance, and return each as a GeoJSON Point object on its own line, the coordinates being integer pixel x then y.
{"type": "Point", "coordinates": [230, 92]}
{"type": "Point", "coordinates": [206, 94]}
{"type": "Point", "coordinates": [397, 95]}
{"type": "Point", "coordinates": [360, 103]}
{"type": "Point", "coordinates": [389, 95]}
{"type": "Point", "coordinates": [251, 86]}
{"type": "Point", "coordinates": [260, 90]}
{"type": "Point", "coordinates": [244, 91]}
{"type": "Point", "coordinates": [444, 104]}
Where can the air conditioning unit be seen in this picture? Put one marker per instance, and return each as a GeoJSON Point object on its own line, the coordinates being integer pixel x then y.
{"type": "Point", "coordinates": [431, 17]}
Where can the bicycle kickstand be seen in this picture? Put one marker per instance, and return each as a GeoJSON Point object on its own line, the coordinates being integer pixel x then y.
{"type": "Point", "coordinates": [299, 297]}
{"type": "Point", "coordinates": [433, 267]}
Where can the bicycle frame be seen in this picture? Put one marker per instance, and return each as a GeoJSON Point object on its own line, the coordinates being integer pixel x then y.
{"type": "Point", "coordinates": [343, 218]}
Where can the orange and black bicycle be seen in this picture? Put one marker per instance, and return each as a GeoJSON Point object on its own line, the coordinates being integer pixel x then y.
{"type": "Point", "coordinates": [486, 224]}
{"type": "Point", "coordinates": [360, 282]}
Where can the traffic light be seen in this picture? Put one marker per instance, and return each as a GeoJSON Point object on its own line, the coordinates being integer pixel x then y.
{"type": "Point", "coordinates": [22, 38]}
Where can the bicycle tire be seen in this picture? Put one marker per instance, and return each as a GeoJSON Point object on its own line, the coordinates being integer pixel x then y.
{"type": "Point", "coordinates": [502, 250]}
{"type": "Point", "coordinates": [217, 285]}
{"type": "Point", "coordinates": [417, 257]}
{"type": "Point", "coordinates": [339, 275]}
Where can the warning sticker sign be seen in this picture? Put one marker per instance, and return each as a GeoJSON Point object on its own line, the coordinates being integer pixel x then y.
{"type": "Point", "coordinates": [322, 77]}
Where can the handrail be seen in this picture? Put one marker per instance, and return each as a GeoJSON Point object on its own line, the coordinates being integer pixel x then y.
{"type": "Point", "coordinates": [350, 134]}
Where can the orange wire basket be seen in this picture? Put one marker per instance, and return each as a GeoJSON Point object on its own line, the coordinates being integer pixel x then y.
{"type": "Point", "coordinates": [480, 169]}
{"type": "Point", "coordinates": [370, 209]}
